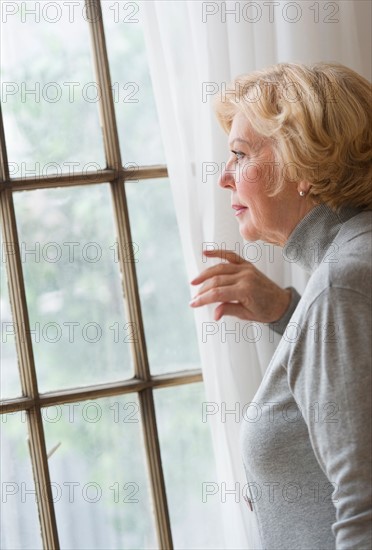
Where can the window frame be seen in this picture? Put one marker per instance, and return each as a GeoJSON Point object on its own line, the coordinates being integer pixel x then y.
{"type": "Point", "coordinates": [143, 383]}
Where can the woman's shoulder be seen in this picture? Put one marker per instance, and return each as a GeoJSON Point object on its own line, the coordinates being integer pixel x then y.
{"type": "Point", "coordinates": [346, 264]}
{"type": "Point", "coordinates": [356, 229]}
{"type": "Point", "coordinates": [352, 268]}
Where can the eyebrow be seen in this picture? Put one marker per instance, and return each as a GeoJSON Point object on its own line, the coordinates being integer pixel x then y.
{"type": "Point", "coordinates": [255, 147]}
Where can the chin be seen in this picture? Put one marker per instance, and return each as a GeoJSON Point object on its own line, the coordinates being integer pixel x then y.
{"type": "Point", "coordinates": [249, 235]}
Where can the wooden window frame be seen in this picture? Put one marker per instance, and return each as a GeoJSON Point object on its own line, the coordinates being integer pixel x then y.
{"type": "Point", "coordinates": [143, 382]}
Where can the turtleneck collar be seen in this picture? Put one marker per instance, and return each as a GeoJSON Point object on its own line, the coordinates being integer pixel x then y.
{"type": "Point", "coordinates": [308, 242]}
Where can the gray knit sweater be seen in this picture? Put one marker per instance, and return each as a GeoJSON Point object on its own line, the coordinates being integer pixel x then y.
{"type": "Point", "coordinates": [306, 436]}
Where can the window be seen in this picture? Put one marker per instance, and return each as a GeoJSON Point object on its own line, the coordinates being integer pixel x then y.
{"type": "Point", "coordinates": [102, 439]}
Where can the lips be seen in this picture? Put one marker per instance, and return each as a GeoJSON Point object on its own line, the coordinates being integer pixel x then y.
{"type": "Point", "coordinates": [239, 209]}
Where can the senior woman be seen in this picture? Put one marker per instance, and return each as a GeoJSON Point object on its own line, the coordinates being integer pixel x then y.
{"type": "Point", "coordinates": [299, 175]}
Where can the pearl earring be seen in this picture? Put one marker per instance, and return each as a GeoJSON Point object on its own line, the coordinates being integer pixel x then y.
{"type": "Point", "coordinates": [302, 193]}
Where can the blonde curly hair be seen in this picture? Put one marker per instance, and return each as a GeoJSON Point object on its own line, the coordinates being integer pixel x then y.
{"type": "Point", "coordinates": [319, 121]}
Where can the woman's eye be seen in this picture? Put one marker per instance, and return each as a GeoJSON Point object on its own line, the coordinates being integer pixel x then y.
{"type": "Point", "coordinates": [238, 155]}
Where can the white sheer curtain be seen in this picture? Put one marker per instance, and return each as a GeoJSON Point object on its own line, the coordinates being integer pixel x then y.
{"type": "Point", "coordinates": [194, 47]}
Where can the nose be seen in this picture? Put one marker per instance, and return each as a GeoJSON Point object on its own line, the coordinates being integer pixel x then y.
{"type": "Point", "coordinates": [227, 177]}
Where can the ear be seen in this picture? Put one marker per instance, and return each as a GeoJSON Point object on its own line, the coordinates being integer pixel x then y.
{"type": "Point", "coordinates": [303, 185]}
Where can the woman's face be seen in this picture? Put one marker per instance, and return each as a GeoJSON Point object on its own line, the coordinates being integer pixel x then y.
{"type": "Point", "coordinates": [249, 171]}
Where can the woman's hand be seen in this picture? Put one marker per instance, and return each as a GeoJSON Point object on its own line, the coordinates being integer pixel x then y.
{"type": "Point", "coordinates": [242, 289]}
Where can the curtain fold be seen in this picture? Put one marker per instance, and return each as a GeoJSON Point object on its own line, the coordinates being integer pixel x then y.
{"type": "Point", "coordinates": [192, 55]}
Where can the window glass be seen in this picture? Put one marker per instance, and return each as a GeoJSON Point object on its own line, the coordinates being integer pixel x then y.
{"type": "Point", "coordinates": [49, 93]}
{"type": "Point", "coordinates": [73, 286]}
{"type": "Point", "coordinates": [18, 511]}
{"type": "Point", "coordinates": [164, 292]}
{"type": "Point", "coordinates": [194, 496]}
{"type": "Point", "coordinates": [99, 476]}
{"type": "Point", "coordinates": [138, 124]}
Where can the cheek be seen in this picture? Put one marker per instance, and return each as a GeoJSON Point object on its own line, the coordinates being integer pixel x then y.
{"type": "Point", "coordinates": [250, 182]}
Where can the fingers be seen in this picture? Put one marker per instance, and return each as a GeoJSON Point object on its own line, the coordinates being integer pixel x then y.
{"type": "Point", "coordinates": [222, 268]}
{"type": "Point", "coordinates": [239, 289]}
{"type": "Point", "coordinates": [228, 255]}
{"type": "Point", "coordinates": [218, 281]}
{"type": "Point", "coordinates": [217, 294]}
{"type": "Point", "coordinates": [221, 285]}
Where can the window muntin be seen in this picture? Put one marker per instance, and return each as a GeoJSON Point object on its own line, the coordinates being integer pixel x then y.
{"type": "Point", "coordinates": [10, 384]}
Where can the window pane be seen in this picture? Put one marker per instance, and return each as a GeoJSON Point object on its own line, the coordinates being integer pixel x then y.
{"type": "Point", "coordinates": [188, 462]}
{"type": "Point", "coordinates": [10, 385]}
{"type": "Point", "coordinates": [98, 472]}
{"type": "Point", "coordinates": [138, 124]}
{"type": "Point", "coordinates": [73, 286]}
{"type": "Point", "coordinates": [168, 320]}
{"type": "Point", "coordinates": [49, 94]}
{"type": "Point", "coordinates": [18, 511]}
